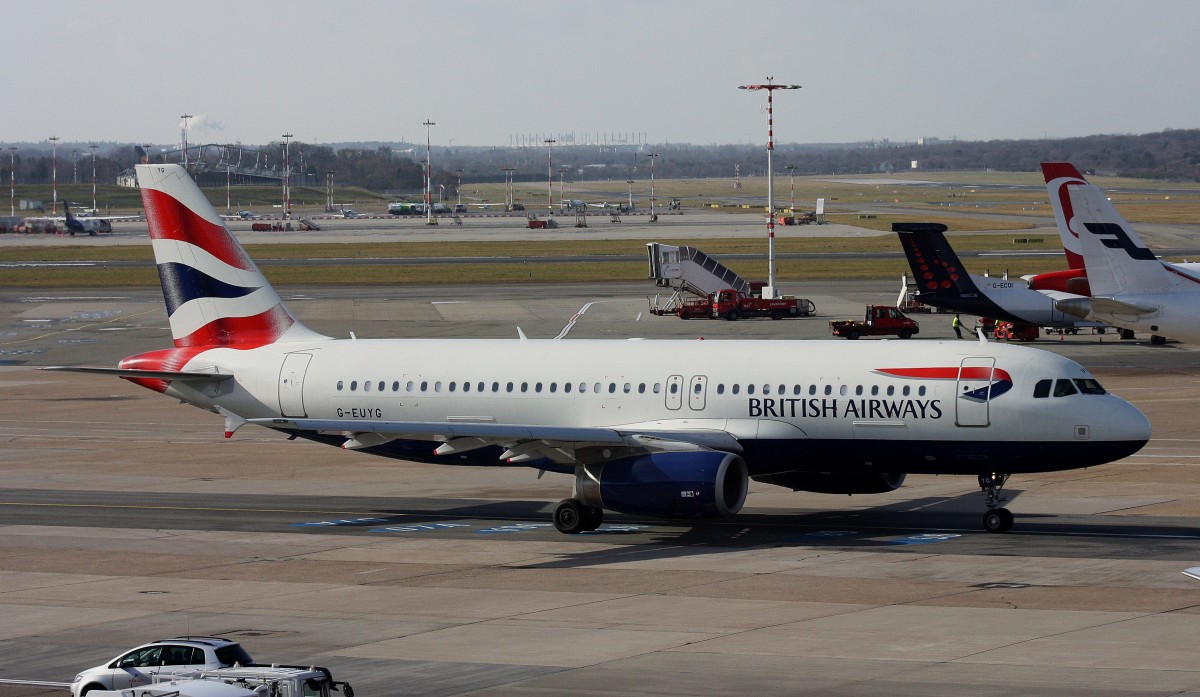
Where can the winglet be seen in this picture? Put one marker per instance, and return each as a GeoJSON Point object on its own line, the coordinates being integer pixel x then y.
{"type": "Point", "coordinates": [232, 421]}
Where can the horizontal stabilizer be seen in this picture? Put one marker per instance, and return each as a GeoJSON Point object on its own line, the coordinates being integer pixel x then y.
{"type": "Point", "coordinates": [1112, 306]}
{"type": "Point", "coordinates": [132, 374]}
{"type": "Point", "coordinates": [919, 227]}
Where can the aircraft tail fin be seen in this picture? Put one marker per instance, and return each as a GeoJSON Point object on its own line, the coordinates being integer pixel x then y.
{"type": "Point", "coordinates": [1060, 178]}
{"type": "Point", "coordinates": [935, 266]}
{"type": "Point", "coordinates": [215, 294]}
{"type": "Point", "coordinates": [1117, 260]}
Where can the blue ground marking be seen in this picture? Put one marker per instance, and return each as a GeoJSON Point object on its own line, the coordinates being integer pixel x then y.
{"type": "Point", "coordinates": [420, 527]}
{"type": "Point", "coordinates": [515, 527]}
{"type": "Point", "coordinates": [928, 538]}
{"type": "Point", "coordinates": [340, 523]}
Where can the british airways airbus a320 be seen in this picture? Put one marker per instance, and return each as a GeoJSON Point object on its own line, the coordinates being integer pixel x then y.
{"type": "Point", "coordinates": [667, 429]}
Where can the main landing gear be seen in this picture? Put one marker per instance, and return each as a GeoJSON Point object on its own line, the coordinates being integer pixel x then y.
{"type": "Point", "coordinates": [571, 516]}
{"type": "Point", "coordinates": [996, 519]}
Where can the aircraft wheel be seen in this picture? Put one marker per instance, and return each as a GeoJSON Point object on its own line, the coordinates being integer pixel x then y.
{"type": "Point", "coordinates": [1157, 340]}
{"type": "Point", "coordinates": [593, 518]}
{"type": "Point", "coordinates": [569, 517]}
{"type": "Point", "coordinates": [998, 520]}
{"type": "Point", "coordinates": [1127, 334]}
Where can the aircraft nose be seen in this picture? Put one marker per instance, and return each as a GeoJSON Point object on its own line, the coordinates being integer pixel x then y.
{"type": "Point", "coordinates": [1126, 423]}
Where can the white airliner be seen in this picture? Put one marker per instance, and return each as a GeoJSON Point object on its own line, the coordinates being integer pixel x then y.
{"type": "Point", "coordinates": [668, 429]}
{"type": "Point", "coordinates": [85, 225]}
{"type": "Point", "coordinates": [943, 282]}
{"type": "Point", "coordinates": [1128, 285]}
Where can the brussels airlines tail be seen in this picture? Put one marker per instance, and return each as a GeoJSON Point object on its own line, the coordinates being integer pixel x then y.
{"type": "Point", "coordinates": [665, 429]}
{"type": "Point", "coordinates": [942, 282]}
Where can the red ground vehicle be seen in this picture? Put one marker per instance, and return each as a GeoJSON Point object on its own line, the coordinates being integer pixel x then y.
{"type": "Point", "coordinates": [733, 305]}
{"type": "Point", "coordinates": [1014, 331]}
{"type": "Point", "coordinates": [880, 320]}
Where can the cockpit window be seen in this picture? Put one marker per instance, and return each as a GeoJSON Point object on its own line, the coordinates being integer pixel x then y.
{"type": "Point", "coordinates": [1042, 388]}
{"type": "Point", "coordinates": [1063, 388]}
{"type": "Point", "coordinates": [1089, 386]}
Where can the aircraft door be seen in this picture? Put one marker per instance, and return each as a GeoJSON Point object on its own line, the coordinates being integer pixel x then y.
{"type": "Point", "coordinates": [974, 389]}
{"type": "Point", "coordinates": [291, 384]}
{"type": "Point", "coordinates": [674, 394]}
{"type": "Point", "coordinates": [696, 392]}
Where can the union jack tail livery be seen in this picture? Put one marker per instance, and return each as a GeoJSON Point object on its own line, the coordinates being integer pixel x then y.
{"type": "Point", "coordinates": [215, 294]}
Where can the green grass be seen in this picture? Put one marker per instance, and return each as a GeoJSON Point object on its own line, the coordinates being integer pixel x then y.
{"type": "Point", "coordinates": [401, 273]}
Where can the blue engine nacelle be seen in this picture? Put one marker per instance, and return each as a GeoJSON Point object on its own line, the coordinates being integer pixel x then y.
{"type": "Point", "coordinates": [693, 484]}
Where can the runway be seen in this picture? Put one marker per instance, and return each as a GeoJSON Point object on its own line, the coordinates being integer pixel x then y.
{"type": "Point", "coordinates": [127, 517]}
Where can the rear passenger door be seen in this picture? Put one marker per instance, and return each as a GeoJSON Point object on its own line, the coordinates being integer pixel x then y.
{"type": "Point", "coordinates": [177, 658]}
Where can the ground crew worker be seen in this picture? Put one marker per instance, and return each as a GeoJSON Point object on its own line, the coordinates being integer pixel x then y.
{"type": "Point", "coordinates": [956, 323]}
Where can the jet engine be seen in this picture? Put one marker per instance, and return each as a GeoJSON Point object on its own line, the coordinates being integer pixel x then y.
{"type": "Point", "coordinates": [836, 482]}
{"type": "Point", "coordinates": [704, 484]}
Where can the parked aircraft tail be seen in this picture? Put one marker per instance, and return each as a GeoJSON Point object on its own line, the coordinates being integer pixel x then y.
{"type": "Point", "coordinates": [935, 266]}
{"type": "Point", "coordinates": [1116, 258]}
{"type": "Point", "coordinates": [1060, 178]}
{"type": "Point", "coordinates": [215, 294]}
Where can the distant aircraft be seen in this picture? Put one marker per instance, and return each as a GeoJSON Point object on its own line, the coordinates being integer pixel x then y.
{"type": "Point", "coordinates": [943, 282]}
{"type": "Point", "coordinates": [1128, 285]}
{"type": "Point", "coordinates": [89, 225]}
{"type": "Point", "coordinates": [665, 429]}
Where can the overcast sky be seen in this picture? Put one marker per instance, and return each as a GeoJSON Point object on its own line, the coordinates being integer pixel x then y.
{"type": "Point", "coordinates": [346, 70]}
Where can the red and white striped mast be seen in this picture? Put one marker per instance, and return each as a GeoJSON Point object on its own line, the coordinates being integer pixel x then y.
{"type": "Point", "coordinates": [770, 87]}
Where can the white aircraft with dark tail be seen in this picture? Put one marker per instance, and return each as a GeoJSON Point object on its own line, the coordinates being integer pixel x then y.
{"type": "Point", "coordinates": [666, 429]}
{"type": "Point", "coordinates": [942, 282]}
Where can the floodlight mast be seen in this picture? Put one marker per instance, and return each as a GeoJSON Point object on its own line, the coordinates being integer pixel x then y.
{"type": "Point", "coordinates": [770, 87]}
{"type": "Point", "coordinates": [549, 177]}
{"type": "Point", "coordinates": [54, 172]}
{"type": "Point", "coordinates": [428, 124]}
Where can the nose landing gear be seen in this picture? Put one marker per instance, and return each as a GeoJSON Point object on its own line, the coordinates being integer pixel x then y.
{"type": "Point", "coordinates": [997, 519]}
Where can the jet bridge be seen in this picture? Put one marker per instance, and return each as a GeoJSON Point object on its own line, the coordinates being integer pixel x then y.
{"type": "Point", "coordinates": [687, 269]}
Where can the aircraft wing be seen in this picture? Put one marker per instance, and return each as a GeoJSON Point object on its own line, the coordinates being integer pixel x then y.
{"type": "Point", "coordinates": [109, 218]}
{"type": "Point", "coordinates": [522, 442]}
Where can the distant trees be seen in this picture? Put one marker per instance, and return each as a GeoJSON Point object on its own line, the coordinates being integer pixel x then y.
{"type": "Point", "coordinates": [1170, 154]}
